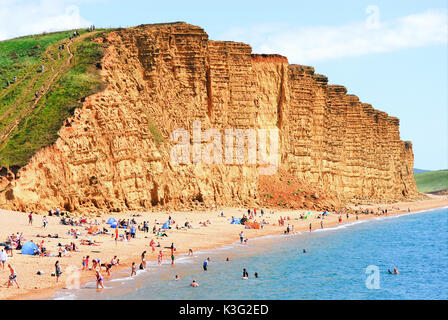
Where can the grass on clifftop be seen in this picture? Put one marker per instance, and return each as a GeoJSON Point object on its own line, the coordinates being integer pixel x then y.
{"type": "Point", "coordinates": [27, 124]}
{"type": "Point", "coordinates": [432, 181]}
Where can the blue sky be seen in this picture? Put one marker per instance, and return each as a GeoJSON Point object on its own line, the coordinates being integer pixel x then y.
{"type": "Point", "coordinates": [392, 54]}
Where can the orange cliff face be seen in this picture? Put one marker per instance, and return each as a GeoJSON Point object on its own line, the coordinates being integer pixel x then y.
{"type": "Point", "coordinates": [114, 153]}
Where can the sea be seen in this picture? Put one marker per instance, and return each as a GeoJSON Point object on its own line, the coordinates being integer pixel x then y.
{"type": "Point", "coordinates": [349, 261]}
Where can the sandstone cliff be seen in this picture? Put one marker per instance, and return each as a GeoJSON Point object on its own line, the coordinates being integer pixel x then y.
{"type": "Point", "coordinates": [114, 153]}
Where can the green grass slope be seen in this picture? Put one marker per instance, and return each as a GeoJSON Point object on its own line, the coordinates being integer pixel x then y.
{"type": "Point", "coordinates": [28, 123]}
{"type": "Point", "coordinates": [432, 181]}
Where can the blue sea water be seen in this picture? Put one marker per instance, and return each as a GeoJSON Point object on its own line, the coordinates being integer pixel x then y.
{"type": "Point", "coordinates": [334, 266]}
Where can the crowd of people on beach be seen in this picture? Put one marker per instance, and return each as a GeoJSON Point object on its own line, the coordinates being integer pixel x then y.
{"type": "Point", "coordinates": [85, 230]}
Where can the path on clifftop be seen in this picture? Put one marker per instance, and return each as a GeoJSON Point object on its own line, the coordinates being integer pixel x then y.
{"type": "Point", "coordinates": [53, 68]}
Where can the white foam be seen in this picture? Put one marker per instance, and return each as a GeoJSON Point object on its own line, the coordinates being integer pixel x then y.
{"type": "Point", "coordinates": [121, 279]}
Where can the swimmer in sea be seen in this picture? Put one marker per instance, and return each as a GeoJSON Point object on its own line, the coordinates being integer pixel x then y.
{"type": "Point", "coordinates": [227, 259]}
{"type": "Point", "coordinates": [304, 250]}
{"type": "Point", "coordinates": [256, 275]}
{"type": "Point", "coordinates": [245, 274]}
{"type": "Point", "coordinates": [194, 284]}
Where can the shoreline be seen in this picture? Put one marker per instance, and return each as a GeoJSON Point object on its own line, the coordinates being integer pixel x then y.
{"type": "Point", "coordinates": [224, 236]}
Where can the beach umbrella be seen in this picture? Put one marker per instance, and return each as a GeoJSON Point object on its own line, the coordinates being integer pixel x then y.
{"type": "Point", "coordinates": [114, 225]}
{"type": "Point", "coordinates": [29, 248]}
{"type": "Point", "coordinates": [111, 221]}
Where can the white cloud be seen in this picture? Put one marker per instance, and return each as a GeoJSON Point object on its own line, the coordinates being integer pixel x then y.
{"type": "Point", "coordinates": [318, 43]}
{"type": "Point", "coordinates": [19, 18]}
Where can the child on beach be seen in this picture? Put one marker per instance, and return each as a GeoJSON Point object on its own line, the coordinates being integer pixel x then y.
{"type": "Point", "coordinates": [99, 280]}
{"type": "Point", "coordinates": [133, 269]}
{"type": "Point", "coordinates": [12, 277]}
{"type": "Point", "coordinates": [159, 257]}
{"type": "Point", "coordinates": [87, 262]}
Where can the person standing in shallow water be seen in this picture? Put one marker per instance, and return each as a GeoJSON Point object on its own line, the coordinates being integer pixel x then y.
{"type": "Point", "coordinates": [143, 259]}
{"type": "Point", "coordinates": [311, 227]}
{"type": "Point", "coordinates": [99, 280]}
{"type": "Point", "coordinates": [133, 269]}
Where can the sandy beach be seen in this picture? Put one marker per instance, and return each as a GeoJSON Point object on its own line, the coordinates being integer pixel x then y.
{"type": "Point", "coordinates": [214, 234]}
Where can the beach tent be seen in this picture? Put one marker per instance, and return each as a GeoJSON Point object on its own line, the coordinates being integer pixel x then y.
{"type": "Point", "coordinates": [166, 225]}
{"type": "Point", "coordinates": [111, 221]}
{"type": "Point", "coordinates": [29, 248]}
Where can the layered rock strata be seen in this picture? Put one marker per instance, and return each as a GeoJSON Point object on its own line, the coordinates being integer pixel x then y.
{"type": "Point", "coordinates": [114, 153]}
